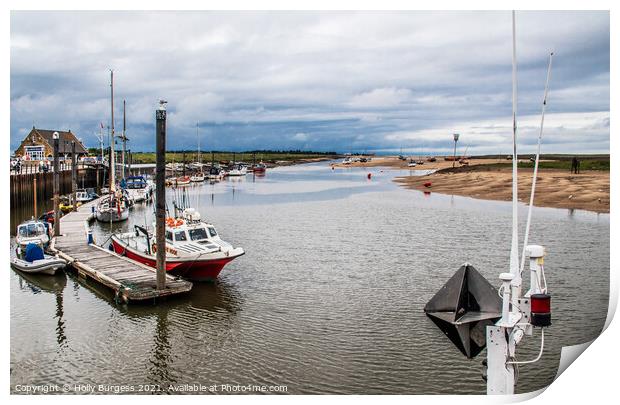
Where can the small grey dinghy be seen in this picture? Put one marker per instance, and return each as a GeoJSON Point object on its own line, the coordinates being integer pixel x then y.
{"type": "Point", "coordinates": [35, 261]}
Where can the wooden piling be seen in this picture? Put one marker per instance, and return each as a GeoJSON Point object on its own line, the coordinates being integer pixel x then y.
{"type": "Point", "coordinates": [34, 196]}
{"type": "Point", "coordinates": [56, 137]}
{"type": "Point", "coordinates": [160, 193]}
{"type": "Point", "coordinates": [73, 176]}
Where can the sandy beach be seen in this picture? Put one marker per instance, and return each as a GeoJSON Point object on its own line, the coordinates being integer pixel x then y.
{"type": "Point", "coordinates": [588, 190]}
{"type": "Point", "coordinates": [482, 179]}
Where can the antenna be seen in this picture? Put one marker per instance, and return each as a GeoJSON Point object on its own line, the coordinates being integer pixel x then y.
{"type": "Point", "coordinates": [535, 175]}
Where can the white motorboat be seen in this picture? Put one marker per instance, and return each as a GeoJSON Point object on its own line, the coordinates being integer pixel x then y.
{"type": "Point", "coordinates": [35, 261]}
{"type": "Point", "coordinates": [83, 196]}
{"type": "Point", "coordinates": [238, 170]}
{"type": "Point", "coordinates": [215, 173]}
{"type": "Point", "coordinates": [197, 177]}
{"type": "Point", "coordinates": [194, 249]}
{"type": "Point", "coordinates": [138, 188]}
{"type": "Point", "coordinates": [33, 232]}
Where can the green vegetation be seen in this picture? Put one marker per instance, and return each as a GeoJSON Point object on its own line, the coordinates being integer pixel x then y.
{"type": "Point", "coordinates": [584, 164]}
{"type": "Point", "coordinates": [265, 156]}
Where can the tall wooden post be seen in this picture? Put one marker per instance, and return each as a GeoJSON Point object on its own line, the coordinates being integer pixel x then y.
{"type": "Point", "coordinates": [73, 175]}
{"type": "Point", "coordinates": [160, 193]}
{"type": "Point", "coordinates": [56, 137]}
{"type": "Point", "coordinates": [34, 194]}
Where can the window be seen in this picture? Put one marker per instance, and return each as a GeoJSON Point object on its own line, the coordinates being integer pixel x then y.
{"type": "Point", "coordinates": [180, 236]}
{"type": "Point", "coordinates": [198, 234]}
{"type": "Point", "coordinates": [31, 230]}
{"type": "Point", "coordinates": [212, 231]}
{"type": "Point", "coordinates": [35, 152]}
{"type": "Point", "coordinates": [169, 235]}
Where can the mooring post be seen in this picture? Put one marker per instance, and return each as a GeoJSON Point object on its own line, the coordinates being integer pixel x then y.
{"type": "Point", "coordinates": [73, 176]}
{"type": "Point", "coordinates": [160, 193]}
{"type": "Point", "coordinates": [34, 195]}
{"type": "Point", "coordinates": [56, 137]}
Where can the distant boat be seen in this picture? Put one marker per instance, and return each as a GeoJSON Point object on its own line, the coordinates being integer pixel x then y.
{"type": "Point", "coordinates": [259, 168]}
{"type": "Point", "coordinates": [182, 181]}
{"type": "Point", "coordinates": [138, 188]}
{"type": "Point", "coordinates": [197, 177]}
{"type": "Point", "coordinates": [83, 196]}
{"type": "Point", "coordinates": [215, 173]}
{"type": "Point", "coordinates": [238, 170]}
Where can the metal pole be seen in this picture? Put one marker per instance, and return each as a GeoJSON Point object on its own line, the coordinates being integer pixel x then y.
{"type": "Point", "coordinates": [112, 160]}
{"type": "Point", "coordinates": [124, 141]}
{"type": "Point", "coordinates": [160, 193]}
{"type": "Point", "coordinates": [73, 175]}
{"type": "Point", "coordinates": [456, 138]}
{"type": "Point", "coordinates": [56, 185]}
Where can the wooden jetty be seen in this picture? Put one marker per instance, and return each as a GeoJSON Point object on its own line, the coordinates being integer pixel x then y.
{"type": "Point", "coordinates": [130, 280]}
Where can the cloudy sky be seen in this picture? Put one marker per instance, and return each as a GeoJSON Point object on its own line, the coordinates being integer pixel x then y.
{"type": "Point", "coordinates": [344, 81]}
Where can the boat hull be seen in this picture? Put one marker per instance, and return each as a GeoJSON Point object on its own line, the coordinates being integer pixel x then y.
{"type": "Point", "coordinates": [49, 265]}
{"type": "Point", "coordinates": [112, 215]}
{"type": "Point", "coordinates": [191, 269]}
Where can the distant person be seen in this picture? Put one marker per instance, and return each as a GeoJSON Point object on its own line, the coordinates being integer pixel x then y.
{"type": "Point", "coordinates": [575, 165]}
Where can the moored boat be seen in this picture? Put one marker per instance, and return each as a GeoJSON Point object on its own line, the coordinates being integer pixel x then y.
{"type": "Point", "coordinates": [114, 208]}
{"type": "Point", "coordinates": [215, 173]}
{"type": "Point", "coordinates": [238, 170]}
{"type": "Point", "coordinates": [33, 232]}
{"type": "Point", "coordinates": [35, 261]}
{"type": "Point", "coordinates": [197, 177]}
{"type": "Point", "coordinates": [182, 181]}
{"type": "Point", "coordinates": [138, 188]}
{"type": "Point", "coordinates": [194, 250]}
{"type": "Point", "coordinates": [259, 168]}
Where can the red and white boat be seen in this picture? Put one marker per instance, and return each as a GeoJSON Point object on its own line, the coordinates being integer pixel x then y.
{"type": "Point", "coordinates": [194, 249]}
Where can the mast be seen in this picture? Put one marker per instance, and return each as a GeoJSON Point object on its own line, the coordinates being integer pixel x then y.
{"type": "Point", "coordinates": [112, 162]}
{"type": "Point", "coordinates": [199, 159]}
{"type": "Point", "coordinates": [514, 248]}
{"type": "Point", "coordinates": [124, 141]}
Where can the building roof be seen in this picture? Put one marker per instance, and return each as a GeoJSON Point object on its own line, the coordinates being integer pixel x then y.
{"type": "Point", "coordinates": [65, 138]}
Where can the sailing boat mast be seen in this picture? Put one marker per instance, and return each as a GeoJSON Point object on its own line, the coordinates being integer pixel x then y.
{"type": "Point", "coordinates": [124, 141]}
{"type": "Point", "coordinates": [112, 161]}
{"type": "Point", "coordinates": [514, 248]}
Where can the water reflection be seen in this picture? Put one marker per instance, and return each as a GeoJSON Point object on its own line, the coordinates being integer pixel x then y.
{"type": "Point", "coordinates": [38, 284]}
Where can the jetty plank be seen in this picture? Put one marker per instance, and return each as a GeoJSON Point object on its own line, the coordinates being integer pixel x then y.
{"type": "Point", "coordinates": [130, 280]}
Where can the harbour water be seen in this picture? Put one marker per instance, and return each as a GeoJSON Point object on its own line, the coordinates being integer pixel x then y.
{"type": "Point", "coordinates": [328, 298]}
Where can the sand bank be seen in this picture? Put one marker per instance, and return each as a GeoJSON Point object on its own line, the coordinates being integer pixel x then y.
{"type": "Point", "coordinates": [588, 190]}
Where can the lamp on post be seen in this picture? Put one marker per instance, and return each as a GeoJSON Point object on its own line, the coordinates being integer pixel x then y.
{"type": "Point", "coordinates": [456, 139]}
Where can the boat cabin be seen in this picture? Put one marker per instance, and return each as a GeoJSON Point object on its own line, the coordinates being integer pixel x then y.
{"type": "Point", "coordinates": [31, 229]}
{"type": "Point", "coordinates": [135, 182]}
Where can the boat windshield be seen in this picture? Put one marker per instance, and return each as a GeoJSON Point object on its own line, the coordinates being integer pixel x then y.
{"type": "Point", "coordinates": [180, 236]}
{"type": "Point", "coordinates": [136, 183]}
{"type": "Point", "coordinates": [198, 234]}
{"type": "Point", "coordinates": [212, 231]}
{"type": "Point", "coordinates": [30, 230]}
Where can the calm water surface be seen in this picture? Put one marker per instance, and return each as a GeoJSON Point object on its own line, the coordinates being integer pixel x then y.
{"type": "Point", "coordinates": [328, 298]}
